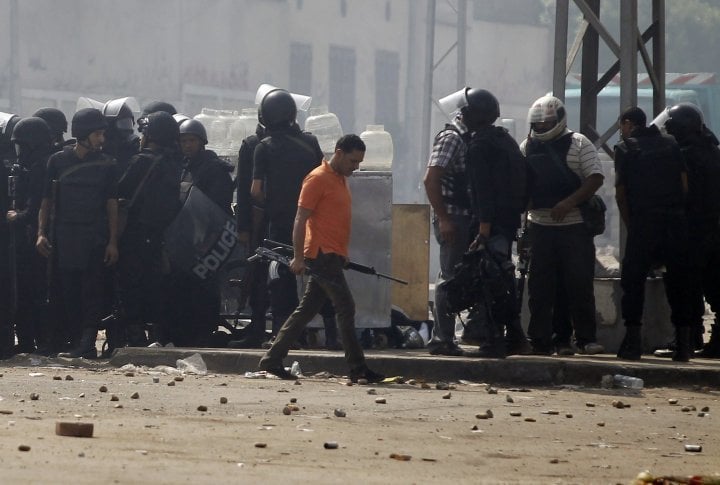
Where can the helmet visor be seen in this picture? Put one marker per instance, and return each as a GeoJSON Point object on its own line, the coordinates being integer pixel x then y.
{"type": "Point", "coordinates": [4, 120]}
{"type": "Point", "coordinates": [113, 107]}
{"type": "Point", "coordinates": [660, 120]}
{"type": "Point", "coordinates": [452, 103]}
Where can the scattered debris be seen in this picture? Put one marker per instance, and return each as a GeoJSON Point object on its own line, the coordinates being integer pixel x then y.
{"type": "Point", "coordinates": [530, 420]}
{"type": "Point", "coordinates": [399, 457]}
{"type": "Point", "coordinates": [178, 378]}
{"type": "Point", "coordinates": [57, 378]}
{"type": "Point", "coordinates": [672, 402]}
{"type": "Point", "coordinates": [135, 395]}
{"type": "Point", "coordinates": [260, 445]}
{"type": "Point", "coordinates": [508, 398]}
{"type": "Point", "coordinates": [693, 448]}
{"type": "Point", "coordinates": [114, 398]}
{"type": "Point", "coordinates": [286, 411]}
{"type": "Point", "coordinates": [447, 395]}
{"type": "Point", "coordinates": [223, 400]}
{"type": "Point", "coordinates": [202, 408]}
{"type": "Point", "coordinates": [372, 392]}
{"type": "Point", "coordinates": [103, 389]}
{"type": "Point", "coordinates": [75, 429]}
{"type": "Point", "coordinates": [380, 400]}
{"type": "Point", "coordinates": [69, 378]}
{"type": "Point", "coordinates": [171, 383]}
{"type": "Point", "coordinates": [601, 424]}
{"type": "Point", "coordinates": [330, 445]}
{"type": "Point", "coordinates": [442, 386]}
{"type": "Point", "coordinates": [24, 448]}
{"type": "Point", "coordinates": [34, 396]}
{"type": "Point", "coordinates": [590, 404]}
{"type": "Point", "coordinates": [339, 413]}
{"type": "Point", "coordinates": [515, 414]}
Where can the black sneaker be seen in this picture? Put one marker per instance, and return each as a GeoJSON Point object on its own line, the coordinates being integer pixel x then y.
{"type": "Point", "coordinates": [280, 372]}
{"type": "Point", "coordinates": [445, 348]}
{"type": "Point", "coordinates": [367, 374]}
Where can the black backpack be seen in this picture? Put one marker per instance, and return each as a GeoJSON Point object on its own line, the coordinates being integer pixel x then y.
{"type": "Point", "coordinates": [498, 171]}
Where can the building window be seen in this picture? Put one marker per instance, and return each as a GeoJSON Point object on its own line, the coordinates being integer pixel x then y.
{"type": "Point", "coordinates": [387, 86]}
{"type": "Point", "coordinates": [300, 68]}
{"type": "Point", "coordinates": [341, 98]}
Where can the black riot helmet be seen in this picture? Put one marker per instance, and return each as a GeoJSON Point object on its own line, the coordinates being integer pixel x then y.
{"type": "Point", "coordinates": [7, 125]}
{"type": "Point", "coordinates": [684, 119]}
{"type": "Point", "coordinates": [159, 128]}
{"type": "Point", "coordinates": [155, 106]}
{"type": "Point", "coordinates": [194, 127]}
{"type": "Point", "coordinates": [86, 121]}
{"type": "Point", "coordinates": [32, 131]}
{"type": "Point", "coordinates": [55, 119]}
{"type": "Point", "coordinates": [482, 107]}
{"type": "Point", "coordinates": [277, 109]}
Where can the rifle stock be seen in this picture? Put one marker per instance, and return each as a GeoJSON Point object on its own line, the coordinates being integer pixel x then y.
{"type": "Point", "coordinates": [360, 268]}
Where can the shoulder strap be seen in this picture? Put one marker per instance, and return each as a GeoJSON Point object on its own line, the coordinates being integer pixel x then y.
{"type": "Point", "coordinates": [78, 166]}
{"type": "Point", "coordinates": [571, 176]}
{"type": "Point", "coordinates": [155, 161]}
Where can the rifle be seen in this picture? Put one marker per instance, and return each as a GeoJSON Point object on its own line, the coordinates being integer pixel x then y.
{"type": "Point", "coordinates": [266, 254]}
{"type": "Point", "coordinates": [524, 250]}
{"type": "Point", "coordinates": [360, 268]}
{"type": "Point", "coordinates": [50, 268]}
{"type": "Point", "coordinates": [12, 182]}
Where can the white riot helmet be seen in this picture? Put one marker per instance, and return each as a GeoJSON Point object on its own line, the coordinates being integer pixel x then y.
{"type": "Point", "coordinates": [547, 108]}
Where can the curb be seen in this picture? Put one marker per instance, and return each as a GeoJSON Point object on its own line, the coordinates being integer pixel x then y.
{"type": "Point", "coordinates": [515, 370]}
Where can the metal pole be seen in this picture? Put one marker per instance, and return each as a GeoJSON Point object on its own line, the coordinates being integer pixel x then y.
{"type": "Point", "coordinates": [658, 56]}
{"type": "Point", "coordinates": [461, 42]}
{"type": "Point", "coordinates": [590, 60]}
{"type": "Point", "coordinates": [628, 54]}
{"type": "Point", "coordinates": [560, 58]}
{"type": "Point", "coordinates": [427, 91]}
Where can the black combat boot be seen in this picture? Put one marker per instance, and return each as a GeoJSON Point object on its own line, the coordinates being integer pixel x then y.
{"type": "Point", "coordinates": [516, 343]}
{"type": "Point", "coordinates": [85, 348]}
{"type": "Point", "coordinates": [683, 347]}
{"type": "Point", "coordinates": [631, 346]}
{"type": "Point", "coordinates": [712, 348]}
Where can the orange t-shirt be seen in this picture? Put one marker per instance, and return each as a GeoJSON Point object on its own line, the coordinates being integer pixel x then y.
{"type": "Point", "coordinates": [326, 194]}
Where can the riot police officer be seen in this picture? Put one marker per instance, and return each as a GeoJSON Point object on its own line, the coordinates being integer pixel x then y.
{"type": "Point", "coordinates": [650, 188]}
{"type": "Point", "coordinates": [151, 187]}
{"type": "Point", "coordinates": [702, 156]}
{"type": "Point", "coordinates": [497, 173]}
{"type": "Point", "coordinates": [7, 160]}
{"type": "Point", "coordinates": [58, 126]}
{"type": "Point", "coordinates": [155, 106]}
{"type": "Point", "coordinates": [84, 242]}
{"type": "Point", "coordinates": [252, 228]}
{"type": "Point", "coordinates": [281, 162]}
{"type": "Point", "coordinates": [196, 303]}
{"type": "Point", "coordinates": [121, 142]}
{"type": "Point", "coordinates": [33, 140]}
{"type": "Point", "coordinates": [448, 191]}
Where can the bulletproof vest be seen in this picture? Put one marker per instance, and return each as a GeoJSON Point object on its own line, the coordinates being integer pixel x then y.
{"type": "Point", "coordinates": [456, 182]}
{"type": "Point", "coordinates": [702, 157]}
{"type": "Point", "coordinates": [210, 174]}
{"type": "Point", "coordinates": [81, 198]}
{"type": "Point", "coordinates": [159, 200]}
{"type": "Point", "coordinates": [550, 181]}
{"type": "Point", "coordinates": [291, 156]}
{"type": "Point", "coordinates": [494, 163]}
{"type": "Point", "coordinates": [652, 171]}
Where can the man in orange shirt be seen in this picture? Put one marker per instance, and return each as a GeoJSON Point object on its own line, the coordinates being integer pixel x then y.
{"type": "Point", "coordinates": [321, 235]}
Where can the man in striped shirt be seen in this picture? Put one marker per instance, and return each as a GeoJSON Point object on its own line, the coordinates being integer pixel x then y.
{"type": "Point", "coordinates": [448, 191]}
{"type": "Point", "coordinates": [564, 172]}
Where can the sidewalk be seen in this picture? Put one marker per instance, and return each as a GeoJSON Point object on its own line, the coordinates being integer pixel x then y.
{"type": "Point", "coordinates": [418, 364]}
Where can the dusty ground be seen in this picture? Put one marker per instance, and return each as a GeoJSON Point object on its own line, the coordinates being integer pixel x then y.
{"type": "Point", "coordinates": [162, 437]}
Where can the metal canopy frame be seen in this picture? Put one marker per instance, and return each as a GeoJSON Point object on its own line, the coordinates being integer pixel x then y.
{"type": "Point", "coordinates": [626, 50]}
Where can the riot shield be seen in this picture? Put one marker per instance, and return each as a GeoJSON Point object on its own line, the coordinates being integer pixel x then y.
{"type": "Point", "coordinates": [203, 238]}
